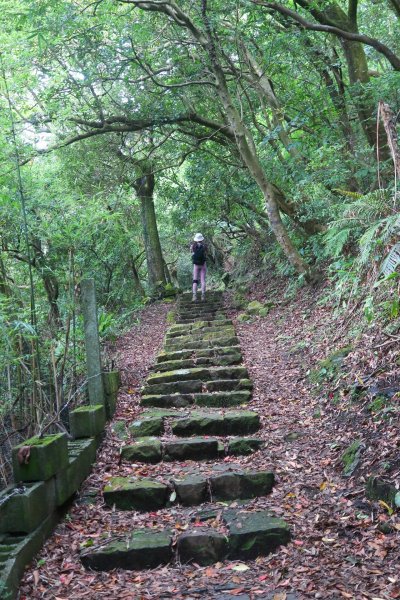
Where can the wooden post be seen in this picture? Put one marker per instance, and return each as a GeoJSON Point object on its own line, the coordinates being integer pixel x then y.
{"type": "Point", "coordinates": [92, 343]}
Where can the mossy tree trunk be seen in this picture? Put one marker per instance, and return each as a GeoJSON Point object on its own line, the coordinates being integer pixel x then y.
{"type": "Point", "coordinates": [144, 187]}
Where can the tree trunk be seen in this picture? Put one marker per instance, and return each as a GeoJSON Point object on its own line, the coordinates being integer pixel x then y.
{"type": "Point", "coordinates": [389, 122]}
{"type": "Point", "coordinates": [248, 154]}
{"type": "Point", "coordinates": [357, 64]}
{"type": "Point", "coordinates": [395, 4]}
{"type": "Point", "coordinates": [263, 84]}
{"type": "Point", "coordinates": [52, 291]}
{"type": "Point", "coordinates": [135, 277]}
{"type": "Point", "coordinates": [144, 187]}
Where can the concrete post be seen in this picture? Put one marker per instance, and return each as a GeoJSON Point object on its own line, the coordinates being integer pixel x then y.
{"type": "Point", "coordinates": [92, 343]}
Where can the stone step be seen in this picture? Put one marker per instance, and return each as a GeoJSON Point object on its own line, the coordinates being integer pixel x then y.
{"type": "Point", "coordinates": [200, 325]}
{"type": "Point", "coordinates": [197, 387]}
{"type": "Point", "coordinates": [184, 423]}
{"type": "Point", "coordinates": [242, 536]}
{"type": "Point", "coordinates": [199, 374]}
{"type": "Point", "coordinates": [190, 344]}
{"type": "Point", "coordinates": [201, 333]}
{"type": "Point", "coordinates": [206, 317]}
{"type": "Point", "coordinates": [210, 296]}
{"type": "Point", "coordinates": [199, 309]}
{"type": "Point", "coordinates": [216, 399]}
{"type": "Point", "coordinates": [151, 450]}
{"type": "Point", "coordinates": [217, 361]}
{"type": "Point", "coordinates": [204, 335]}
{"type": "Point", "coordinates": [144, 494]}
{"type": "Point", "coordinates": [196, 353]}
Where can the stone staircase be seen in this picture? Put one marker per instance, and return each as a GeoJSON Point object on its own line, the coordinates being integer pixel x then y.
{"type": "Point", "coordinates": [191, 427]}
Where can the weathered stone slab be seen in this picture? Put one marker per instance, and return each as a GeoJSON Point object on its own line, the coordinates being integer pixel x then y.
{"type": "Point", "coordinates": [181, 387]}
{"type": "Point", "coordinates": [147, 426]}
{"type": "Point", "coordinates": [81, 456]}
{"type": "Point", "coordinates": [241, 485]}
{"type": "Point", "coordinates": [201, 344]}
{"type": "Point", "coordinates": [167, 400]}
{"type": "Point", "coordinates": [199, 424]}
{"type": "Point", "coordinates": [221, 385]}
{"type": "Point", "coordinates": [147, 450]}
{"type": "Point", "coordinates": [143, 550]}
{"type": "Point", "coordinates": [243, 446]}
{"type": "Point", "coordinates": [87, 421]}
{"type": "Point", "coordinates": [241, 422]}
{"type": "Point", "coordinates": [202, 546]}
{"type": "Point", "coordinates": [140, 494]}
{"type": "Point", "coordinates": [48, 456]}
{"type": "Point", "coordinates": [190, 330]}
{"type": "Point", "coordinates": [191, 490]}
{"type": "Point", "coordinates": [23, 508]}
{"type": "Point", "coordinates": [222, 399]}
{"type": "Point", "coordinates": [255, 534]}
{"type": "Point", "coordinates": [199, 374]}
{"type": "Point", "coordinates": [191, 449]}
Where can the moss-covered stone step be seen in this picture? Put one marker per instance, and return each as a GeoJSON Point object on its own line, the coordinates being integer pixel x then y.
{"type": "Point", "coordinates": [197, 423]}
{"type": "Point", "coordinates": [142, 550]}
{"type": "Point", "coordinates": [144, 494]}
{"type": "Point", "coordinates": [203, 423]}
{"type": "Point", "coordinates": [200, 325]}
{"type": "Point", "coordinates": [136, 494]}
{"type": "Point", "coordinates": [199, 309]}
{"type": "Point", "coordinates": [204, 317]}
{"type": "Point", "coordinates": [152, 450]}
{"type": "Point", "coordinates": [216, 399]}
{"type": "Point", "coordinates": [181, 449]}
{"type": "Point", "coordinates": [255, 534]}
{"type": "Point", "coordinates": [197, 353]}
{"type": "Point", "coordinates": [199, 337]}
{"type": "Point", "coordinates": [190, 363]}
{"type": "Point", "coordinates": [248, 535]}
{"type": "Point", "coordinates": [202, 334]}
{"type": "Point", "coordinates": [199, 374]}
{"type": "Point", "coordinates": [189, 344]}
{"type": "Point", "coordinates": [192, 387]}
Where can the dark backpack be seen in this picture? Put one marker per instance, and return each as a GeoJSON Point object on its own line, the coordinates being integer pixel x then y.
{"type": "Point", "coordinates": [199, 254]}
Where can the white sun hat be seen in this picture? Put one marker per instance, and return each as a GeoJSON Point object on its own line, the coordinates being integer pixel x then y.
{"type": "Point", "coordinates": [198, 237]}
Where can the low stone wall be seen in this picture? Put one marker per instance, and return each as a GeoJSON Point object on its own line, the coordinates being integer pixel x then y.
{"type": "Point", "coordinates": [47, 473]}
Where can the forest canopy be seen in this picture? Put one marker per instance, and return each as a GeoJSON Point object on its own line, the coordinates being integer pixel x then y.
{"type": "Point", "coordinates": [128, 125]}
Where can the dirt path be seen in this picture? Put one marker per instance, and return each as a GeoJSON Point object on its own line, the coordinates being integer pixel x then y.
{"type": "Point", "coordinates": [337, 549]}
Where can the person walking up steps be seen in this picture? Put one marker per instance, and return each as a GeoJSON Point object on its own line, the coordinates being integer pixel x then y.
{"type": "Point", "coordinates": [198, 248]}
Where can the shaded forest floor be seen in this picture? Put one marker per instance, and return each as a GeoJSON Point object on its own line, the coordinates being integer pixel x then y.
{"type": "Point", "coordinates": [338, 548]}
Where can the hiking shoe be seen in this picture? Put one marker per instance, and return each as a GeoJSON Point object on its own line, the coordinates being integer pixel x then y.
{"type": "Point", "coordinates": [203, 297]}
{"type": "Point", "coordinates": [194, 298]}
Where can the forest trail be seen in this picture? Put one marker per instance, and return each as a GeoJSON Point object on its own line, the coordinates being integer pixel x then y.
{"type": "Point", "coordinates": [335, 552]}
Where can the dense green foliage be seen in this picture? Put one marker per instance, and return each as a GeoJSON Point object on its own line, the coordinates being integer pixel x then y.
{"type": "Point", "coordinates": [139, 122]}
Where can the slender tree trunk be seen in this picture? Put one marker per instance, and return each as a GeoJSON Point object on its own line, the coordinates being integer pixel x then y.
{"type": "Point", "coordinates": [248, 154]}
{"type": "Point", "coordinates": [144, 187]}
{"type": "Point", "coordinates": [395, 4]}
{"type": "Point", "coordinates": [135, 277]}
{"type": "Point", "coordinates": [389, 123]}
{"type": "Point", "coordinates": [263, 84]}
{"type": "Point", "coordinates": [52, 291]}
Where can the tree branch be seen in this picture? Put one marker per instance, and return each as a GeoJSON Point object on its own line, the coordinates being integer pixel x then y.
{"type": "Point", "coordinates": [347, 35]}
